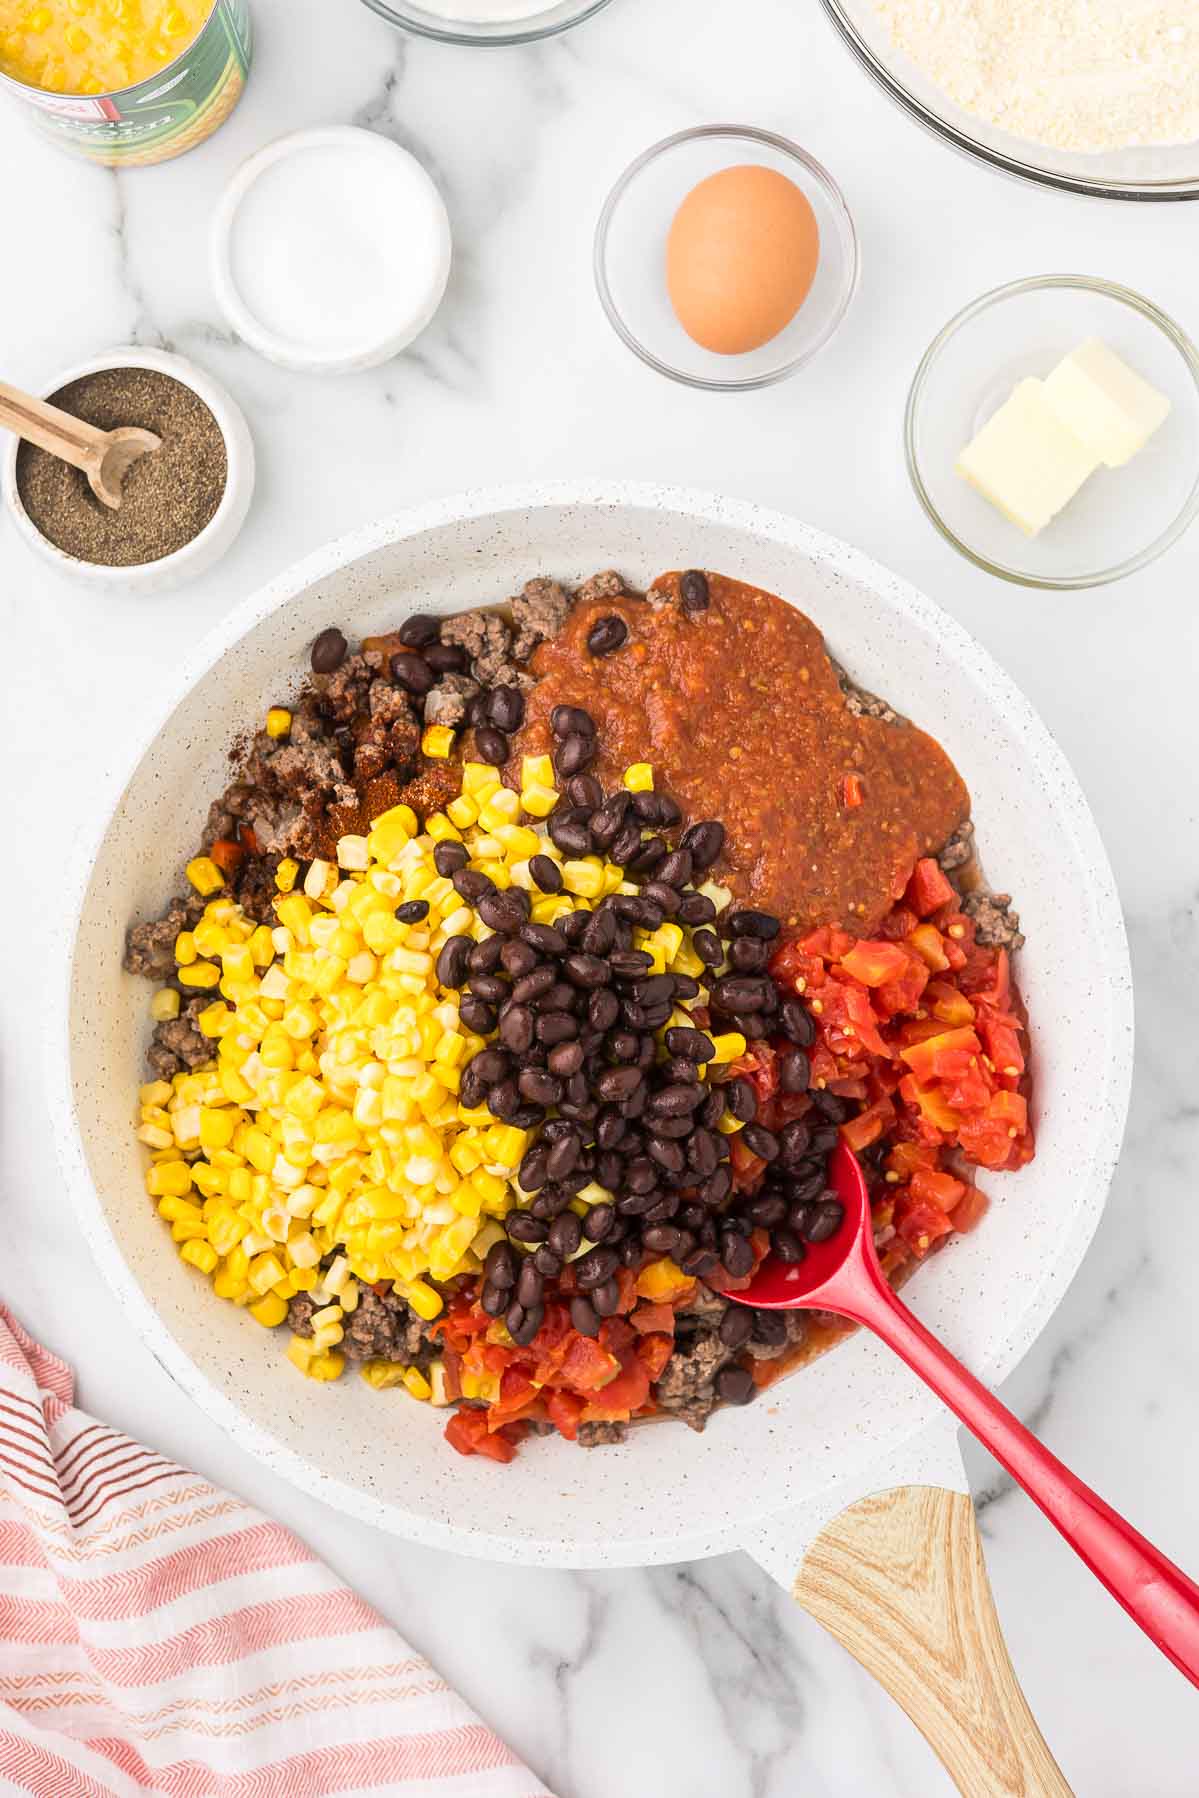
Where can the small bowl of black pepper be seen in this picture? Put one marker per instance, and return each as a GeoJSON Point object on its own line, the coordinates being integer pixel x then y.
{"type": "Point", "coordinates": [181, 505]}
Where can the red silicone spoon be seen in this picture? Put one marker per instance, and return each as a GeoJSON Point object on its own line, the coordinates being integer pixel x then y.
{"type": "Point", "coordinates": [843, 1275]}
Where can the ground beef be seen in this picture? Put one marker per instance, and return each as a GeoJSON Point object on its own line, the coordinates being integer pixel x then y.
{"type": "Point", "coordinates": [599, 1435]}
{"type": "Point", "coordinates": [389, 736]}
{"type": "Point", "coordinates": [605, 585]}
{"type": "Point", "coordinates": [539, 611]}
{"type": "Point", "coordinates": [861, 703]}
{"type": "Point", "coordinates": [706, 1305]}
{"type": "Point", "coordinates": [685, 1385]}
{"type": "Point", "coordinates": [995, 923]}
{"type": "Point", "coordinates": [487, 640]}
{"type": "Point", "coordinates": [383, 1328]}
{"type": "Point", "coordinates": [150, 948]}
{"type": "Point", "coordinates": [255, 890]}
{"type": "Point", "coordinates": [959, 850]}
{"type": "Point", "coordinates": [343, 694]}
{"type": "Point", "coordinates": [448, 701]}
{"type": "Point", "coordinates": [178, 1044]}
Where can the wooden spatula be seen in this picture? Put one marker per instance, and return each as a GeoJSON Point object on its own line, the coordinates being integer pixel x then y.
{"type": "Point", "coordinates": [105, 457]}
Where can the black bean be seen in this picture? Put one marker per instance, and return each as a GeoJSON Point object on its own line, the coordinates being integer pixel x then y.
{"type": "Point", "coordinates": [516, 1029]}
{"type": "Point", "coordinates": [500, 1265]}
{"type": "Point", "coordinates": [532, 1170]}
{"type": "Point", "coordinates": [699, 1264]}
{"type": "Point", "coordinates": [446, 658]}
{"type": "Point", "coordinates": [607, 635]}
{"type": "Point", "coordinates": [566, 1233]}
{"type": "Point", "coordinates": [648, 857]}
{"type": "Point", "coordinates": [573, 754]}
{"type": "Point", "coordinates": [546, 1262]}
{"type": "Point", "coordinates": [522, 1226]}
{"type": "Point", "coordinates": [570, 834]}
{"type": "Point", "coordinates": [708, 947]}
{"type": "Point", "coordinates": [630, 964]}
{"type": "Point", "coordinates": [741, 1100]}
{"type": "Point", "coordinates": [413, 673]}
{"type": "Point", "coordinates": [419, 630]}
{"type": "Point", "coordinates": [449, 857]}
{"type": "Point", "coordinates": [543, 938]}
{"type": "Point", "coordinates": [742, 994]}
{"type": "Point", "coordinates": [493, 1298]}
{"type": "Point", "coordinates": [824, 1139]}
{"type": "Point", "coordinates": [452, 961]}
{"type": "Point", "coordinates": [542, 1088]}
{"type": "Point", "coordinates": [563, 1157]}
{"type": "Point", "coordinates": [765, 1210]}
{"type": "Point", "coordinates": [826, 1221]}
{"type": "Point", "coordinates": [832, 1106]}
{"type": "Point", "coordinates": [661, 1239]}
{"type": "Point", "coordinates": [523, 1325]}
{"type": "Point", "coordinates": [491, 745]}
{"type": "Point", "coordinates": [760, 1142]}
{"type": "Point", "coordinates": [505, 911]}
{"type": "Point", "coordinates": [795, 1072]}
{"type": "Point", "coordinates": [667, 1154]}
{"type": "Point", "coordinates": [714, 1108]}
{"type": "Point", "coordinates": [666, 898]}
{"type": "Point", "coordinates": [489, 988]}
{"type": "Point", "coordinates": [702, 1153]}
{"type": "Point", "coordinates": [492, 1065]}
{"type": "Point", "coordinates": [809, 1186]}
{"type": "Point", "coordinates": [694, 1045]}
{"type": "Point", "coordinates": [476, 710]}
{"type": "Point", "coordinates": [654, 989]}
{"type": "Point", "coordinates": [530, 1286]}
{"type": "Point", "coordinates": [595, 1267]}
{"type": "Point", "coordinates": [618, 1083]}
{"type": "Point", "coordinates": [693, 591]}
{"type": "Point", "coordinates": [473, 1089]}
{"type": "Point", "coordinates": [470, 884]}
{"type": "Point", "coordinates": [606, 1298]}
{"type": "Point", "coordinates": [566, 720]}
{"type": "Point", "coordinates": [527, 1117]}
{"type": "Point", "coordinates": [328, 651]}
{"type": "Point", "coordinates": [786, 1245]}
{"type": "Point", "coordinates": [748, 954]}
{"type": "Point", "coordinates": [515, 957]}
{"type": "Point", "coordinates": [477, 1015]}
{"type": "Point", "coordinates": [546, 873]}
{"type": "Point", "coordinates": [600, 1222]}
{"type": "Point", "coordinates": [677, 1068]}
{"type": "Point", "coordinates": [624, 844]}
{"type": "Point", "coordinates": [736, 1254]}
{"type": "Point", "coordinates": [584, 790]}
{"type": "Point", "coordinates": [566, 1058]}
{"type": "Point", "coordinates": [412, 911]}
{"type": "Point", "coordinates": [704, 841]}
{"type": "Point", "coordinates": [506, 708]}
{"type": "Point", "coordinates": [735, 1385]}
{"type": "Point", "coordinates": [558, 997]}
{"type": "Point", "coordinates": [599, 936]}
{"type": "Point", "coordinates": [676, 1101]}
{"type": "Point", "coordinates": [584, 1317]}
{"type": "Point", "coordinates": [676, 869]}
{"type": "Point", "coordinates": [533, 985]}
{"type": "Point", "coordinates": [736, 1326]}
{"type": "Point", "coordinates": [589, 971]}
{"type": "Point", "coordinates": [797, 1023]}
{"type": "Point", "coordinates": [603, 1009]}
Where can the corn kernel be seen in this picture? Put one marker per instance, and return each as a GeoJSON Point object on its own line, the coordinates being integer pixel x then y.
{"type": "Point", "coordinates": [204, 875]}
{"type": "Point", "coordinates": [437, 742]}
{"type": "Point", "coordinates": [278, 719]}
{"type": "Point", "coordinates": [165, 1005]}
{"type": "Point", "coordinates": [538, 798]}
{"type": "Point", "coordinates": [639, 778]}
{"type": "Point", "coordinates": [269, 1310]}
{"type": "Point", "coordinates": [423, 1300]}
{"type": "Point", "coordinates": [728, 1047]}
{"type": "Point", "coordinates": [200, 974]}
{"type": "Point", "coordinates": [185, 949]}
{"type": "Point", "coordinates": [383, 1374]}
{"type": "Point", "coordinates": [285, 874]}
{"type": "Point", "coordinates": [202, 1255]}
{"type": "Point", "coordinates": [417, 1384]}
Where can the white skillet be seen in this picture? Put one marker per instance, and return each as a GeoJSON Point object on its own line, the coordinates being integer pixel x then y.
{"type": "Point", "coordinates": [899, 1577]}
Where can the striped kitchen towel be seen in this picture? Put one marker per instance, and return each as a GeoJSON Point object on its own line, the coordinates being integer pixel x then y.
{"type": "Point", "coordinates": [158, 1636]}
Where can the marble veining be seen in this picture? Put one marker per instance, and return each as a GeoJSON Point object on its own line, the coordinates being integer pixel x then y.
{"type": "Point", "coordinates": [703, 1681]}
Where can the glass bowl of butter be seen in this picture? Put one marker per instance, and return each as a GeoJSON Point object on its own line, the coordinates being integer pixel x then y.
{"type": "Point", "coordinates": [1052, 432]}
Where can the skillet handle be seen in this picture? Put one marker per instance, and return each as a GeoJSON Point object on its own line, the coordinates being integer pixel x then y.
{"type": "Point", "coordinates": [899, 1579]}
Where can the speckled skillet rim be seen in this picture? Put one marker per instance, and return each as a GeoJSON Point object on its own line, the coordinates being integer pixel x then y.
{"type": "Point", "coordinates": [1040, 1292]}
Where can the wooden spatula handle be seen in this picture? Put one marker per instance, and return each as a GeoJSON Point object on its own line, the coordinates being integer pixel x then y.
{"type": "Point", "coordinates": [80, 444]}
{"type": "Point", "coordinates": [899, 1579]}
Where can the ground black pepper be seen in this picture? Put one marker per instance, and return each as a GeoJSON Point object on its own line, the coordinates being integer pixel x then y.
{"type": "Point", "coordinates": [168, 496]}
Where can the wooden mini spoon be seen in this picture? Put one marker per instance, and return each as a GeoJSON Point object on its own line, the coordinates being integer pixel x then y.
{"type": "Point", "coordinates": [105, 457]}
{"type": "Point", "coordinates": [843, 1275]}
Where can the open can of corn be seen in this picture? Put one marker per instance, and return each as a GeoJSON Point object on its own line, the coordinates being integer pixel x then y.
{"type": "Point", "coordinates": [126, 82]}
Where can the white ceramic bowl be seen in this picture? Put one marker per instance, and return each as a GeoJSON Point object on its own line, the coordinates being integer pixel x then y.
{"type": "Point", "coordinates": [218, 534]}
{"type": "Point", "coordinates": [668, 1493]}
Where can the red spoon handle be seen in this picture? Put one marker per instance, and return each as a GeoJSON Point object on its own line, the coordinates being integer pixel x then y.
{"type": "Point", "coordinates": [1155, 1593]}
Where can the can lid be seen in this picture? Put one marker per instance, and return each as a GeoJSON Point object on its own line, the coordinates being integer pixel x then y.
{"type": "Point", "coordinates": [330, 250]}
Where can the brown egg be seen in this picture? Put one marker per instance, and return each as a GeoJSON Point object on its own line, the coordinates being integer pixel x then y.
{"type": "Point", "coordinates": [740, 258]}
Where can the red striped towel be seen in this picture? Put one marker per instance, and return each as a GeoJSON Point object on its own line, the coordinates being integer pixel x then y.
{"type": "Point", "coordinates": [158, 1636]}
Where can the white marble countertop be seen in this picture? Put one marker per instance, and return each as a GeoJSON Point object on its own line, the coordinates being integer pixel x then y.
{"type": "Point", "coordinates": [715, 1683]}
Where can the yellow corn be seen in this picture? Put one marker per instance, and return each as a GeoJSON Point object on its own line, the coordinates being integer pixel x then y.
{"type": "Point", "coordinates": [383, 1374]}
{"type": "Point", "coordinates": [278, 721]}
{"type": "Point", "coordinates": [165, 1005]}
{"type": "Point", "coordinates": [639, 778]}
{"type": "Point", "coordinates": [437, 742]}
{"type": "Point", "coordinates": [728, 1047]}
{"type": "Point", "coordinates": [268, 1310]}
{"type": "Point", "coordinates": [200, 974]}
{"type": "Point", "coordinates": [200, 1254]}
{"type": "Point", "coordinates": [204, 875]}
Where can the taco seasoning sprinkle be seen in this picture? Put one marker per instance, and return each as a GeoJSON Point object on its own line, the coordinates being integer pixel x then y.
{"type": "Point", "coordinates": [168, 496]}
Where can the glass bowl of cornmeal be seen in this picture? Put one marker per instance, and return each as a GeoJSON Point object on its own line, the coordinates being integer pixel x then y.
{"type": "Point", "coordinates": [1052, 432]}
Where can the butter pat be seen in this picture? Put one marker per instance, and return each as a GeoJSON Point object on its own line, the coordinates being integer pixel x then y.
{"type": "Point", "coordinates": [1026, 461]}
{"type": "Point", "coordinates": [1111, 408]}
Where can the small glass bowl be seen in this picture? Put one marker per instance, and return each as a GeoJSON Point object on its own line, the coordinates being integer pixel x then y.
{"type": "Point", "coordinates": [1121, 518]}
{"type": "Point", "coordinates": [630, 257]}
{"type": "Point", "coordinates": [538, 24]}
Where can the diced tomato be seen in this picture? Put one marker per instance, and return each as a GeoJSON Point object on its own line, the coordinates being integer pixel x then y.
{"type": "Point", "coordinates": [1010, 1108]}
{"type": "Point", "coordinates": [941, 1190]}
{"type": "Point", "coordinates": [759, 1065]}
{"type": "Point", "coordinates": [662, 1282]}
{"type": "Point", "coordinates": [747, 1167]}
{"type": "Point", "coordinates": [920, 1225]}
{"type": "Point", "coordinates": [947, 1003]}
{"type": "Point", "coordinates": [1002, 1045]}
{"type": "Point", "coordinates": [970, 1210]}
{"type": "Point", "coordinates": [874, 963]}
{"type": "Point", "coordinates": [227, 855]}
{"type": "Point", "coordinates": [928, 888]}
{"type": "Point", "coordinates": [930, 1105]}
{"type": "Point", "coordinates": [933, 1058]}
{"type": "Point", "coordinates": [905, 1157]}
{"type": "Point", "coordinates": [654, 1352]}
{"type": "Point", "coordinates": [851, 792]}
{"type": "Point", "coordinates": [517, 1394]}
{"type": "Point", "coordinates": [621, 1396]}
{"type": "Point", "coordinates": [452, 1363]}
{"type": "Point", "coordinates": [902, 995]}
{"type": "Point", "coordinates": [248, 837]}
{"type": "Point", "coordinates": [626, 1279]}
{"type": "Point", "coordinates": [467, 1432]}
{"type": "Point", "coordinates": [565, 1412]}
{"type": "Point", "coordinates": [859, 1132]}
{"type": "Point", "coordinates": [647, 1319]}
{"type": "Point", "coordinates": [929, 945]}
{"type": "Point", "coordinates": [617, 1335]}
{"type": "Point", "coordinates": [587, 1366]}
{"type": "Point", "coordinates": [898, 924]}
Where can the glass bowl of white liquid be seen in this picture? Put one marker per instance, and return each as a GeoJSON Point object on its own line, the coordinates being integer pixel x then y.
{"type": "Point", "coordinates": [486, 21]}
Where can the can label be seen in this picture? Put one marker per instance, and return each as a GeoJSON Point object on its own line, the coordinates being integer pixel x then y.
{"type": "Point", "coordinates": [166, 114]}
